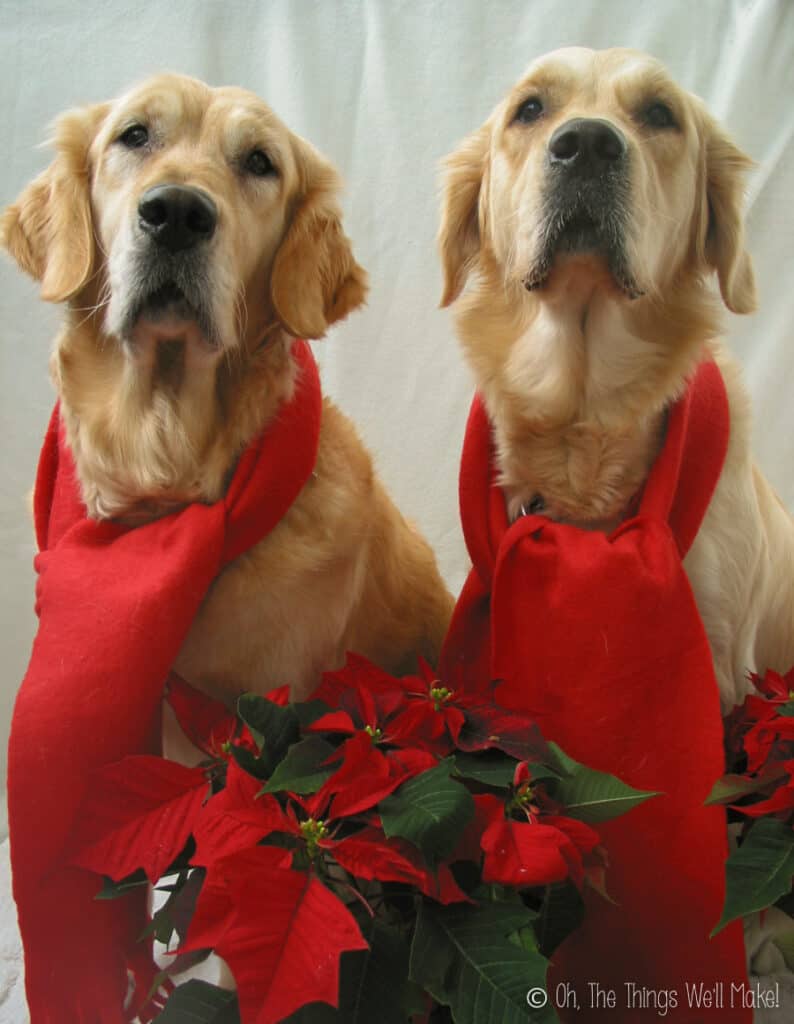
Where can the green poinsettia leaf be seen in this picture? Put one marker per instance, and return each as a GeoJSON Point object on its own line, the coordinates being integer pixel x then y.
{"type": "Point", "coordinates": [302, 769]}
{"type": "Point", "coordinates": [434, 956]}
{"type": "Point", "coordinates": [525, 938]}
{"type": "Point", "coordinates": [308, 711]}
{"type": "Point", "coordinates": [543, 772]}
{"type": "Point", "coordinates": [198, 1002]}
{"type": "Point", "coordinates": [561, 762]}
{"type": "Point", "coordinates": [430, 810]}
{"type": "Point", "coordinates": [760, 871]}
{"type": "Point", "coordinates": [561, 913]}
{"type": "Point", "coordinates": [113, 890]}
{"type": "Point", "coordinates": [593, 796]}
{"type": "Point", "coordinates": [467, 958]}
{"type": "Point", "coordinates": [177, 964]}
{"type": "Point", "coordinates": [369, 974]}
{"type": "Point", "coordinates": [371, 983]}
{"type": "Point", "coordinates": [249, 762]}
{"type": "Point", "coordinates": [314, 1013]}
{"type": "Point", "coordinates": [786, 710]}
{"type": "Point", "coordinates": [161, 926]}
{"type": "Point", "coordinates": [273, 727]}
{"type": "Point", "coordinates": [733, 787]}
{"type": "Point", "coordinates": [502, 895]}
{"type": "Point", "coordinates": [492, 768]}
{"type": "Point", "coordinates": [175, 914]}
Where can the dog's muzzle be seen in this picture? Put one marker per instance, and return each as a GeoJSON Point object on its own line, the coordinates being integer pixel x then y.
{"type": "Point", "coordinates": [585, 200]}
{"type": "Point", "coordinates": [169, 276]}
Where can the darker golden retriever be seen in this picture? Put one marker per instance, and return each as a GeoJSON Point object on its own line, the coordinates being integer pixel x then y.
{"type": "Point", "coordinates": [193, 237]}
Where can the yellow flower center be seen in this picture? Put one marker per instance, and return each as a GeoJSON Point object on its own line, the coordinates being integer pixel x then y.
{"type": "Point", "coordinates": [313, 831]}
{"type": "Point", "coordinates": [440, 695]}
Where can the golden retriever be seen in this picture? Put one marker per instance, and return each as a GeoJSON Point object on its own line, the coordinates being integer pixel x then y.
{"type": "Point", "coordinates": [594, 206]}
{"type": "Point", "coordinates": [194, 237]}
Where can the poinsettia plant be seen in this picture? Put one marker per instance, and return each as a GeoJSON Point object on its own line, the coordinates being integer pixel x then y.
{"type": "Point", "coordinates": [390, 850]}
{"type": "Point", "coordinates": [759, 792]}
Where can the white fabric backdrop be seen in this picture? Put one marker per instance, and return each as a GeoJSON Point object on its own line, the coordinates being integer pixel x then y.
{"type": "Point", "coordinates": [385, 89]}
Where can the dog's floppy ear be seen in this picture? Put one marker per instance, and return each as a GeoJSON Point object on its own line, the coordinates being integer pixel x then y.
{"type": "Point", "coordinates": [459, 235]}
{"type": "Point", "coordinates": [722, 240]}
{"type": "Point", "coordinates": [315, 279]}
{"type": "Point", "coordinates": [48, 230]}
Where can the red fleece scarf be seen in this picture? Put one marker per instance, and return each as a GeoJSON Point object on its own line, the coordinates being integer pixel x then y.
{"type": "Point", "coordinates": [599, 637]}
{"type": "Point", "coordinates": [115, 605]}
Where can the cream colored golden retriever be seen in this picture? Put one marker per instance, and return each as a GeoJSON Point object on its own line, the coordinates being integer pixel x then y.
{"type": "Point", "coordinates": [593, 207]}
{"type": "Point", "coordinates": [193, 237]}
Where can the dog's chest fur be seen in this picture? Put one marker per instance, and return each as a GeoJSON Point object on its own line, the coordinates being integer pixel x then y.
{"type": "Point", "coordinates": [575, 423]}
{"type": "Point", "coordinates": [580, 473]}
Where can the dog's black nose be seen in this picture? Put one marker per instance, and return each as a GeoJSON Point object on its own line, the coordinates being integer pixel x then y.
{"type": "Point", "coordinates": [177, 217]}
{"type": "Point", "coordinates": [587, 145]}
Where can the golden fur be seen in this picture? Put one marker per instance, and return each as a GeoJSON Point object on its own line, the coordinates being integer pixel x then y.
{"type": "Point", "coordinates": [577, 373]}
{"type": "Point", "coordinates": [157, 413]}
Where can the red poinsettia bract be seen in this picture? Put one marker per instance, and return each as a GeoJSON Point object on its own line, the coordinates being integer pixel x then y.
{"type": "Point", "coordinates": [281, 932]}
{"type": "Point", "coordinates": [140, 814]}
{"type": "Point", "coordinates": [524, 845]}
{"type": "Point", "coordinates": [287, 822]}
{"type": "Point", "coordinates": [781, 802]}
{"type": "Point", "coordinates": [760, 741]}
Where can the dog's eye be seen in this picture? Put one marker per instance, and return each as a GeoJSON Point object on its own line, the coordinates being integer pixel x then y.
{"type": "Point", "coordinates": [260, 164]}
{"type": "Point", "coordinates": [134, 137]}
{"type": "Point", "coordinates": [658, 115]}
{"type": "Point", "coordinates": [529, 111]}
